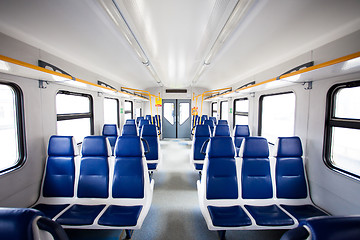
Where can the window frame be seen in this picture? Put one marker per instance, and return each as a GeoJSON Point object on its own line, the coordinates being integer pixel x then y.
{"type": "Point", "coordinates": [117, 109]}
{"type": "Point", "coordinates": [132, 109]}
{"type": "Point", "coordinates": [212, 109]}
{"type": "Point", "coordinates": [73, 116]}
{"type": "Point", "coordinates": [20, 125]}
{"type": "Point", "coordinates": [235, 113]}
{"type": "Point", "coordinates": [221, 108]}
{"type": "Point", "coordinates": [261, 109]}
{"type": "Point", "coordinates": [331, 121]}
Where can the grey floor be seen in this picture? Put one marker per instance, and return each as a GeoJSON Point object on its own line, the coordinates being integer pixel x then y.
{"type": "Point", "coordinates": [175, 212]}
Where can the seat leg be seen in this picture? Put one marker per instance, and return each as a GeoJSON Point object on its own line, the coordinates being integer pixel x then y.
{"type": "Point", "coordinates": [221, 234]}
{"type": "Point", "coordinates": [200, 175]}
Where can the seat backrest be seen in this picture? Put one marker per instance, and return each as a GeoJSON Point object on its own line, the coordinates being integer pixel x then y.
{"type": "Point", "coordinates": [129, 129]}
{"type": "Point", "coordinates": [60, 167]}
{"type": "Point", "coordinates": [128, 181]}
{"type": "Point", "coordinates": [142, 123]}
{"type": "Point", "coordinates": [148, 117]}
{"type": "Point", "coordinates": [255, 172]}
{"type": "Point", "coordinates": [211, 125]}
{"type": "Point", "coordinates": [203, 118]}
{"type": "Point", "coordinates": [138, 119]}
{"type": "Point", "coordinates": [221, 173]}
{"type": "Point", "coordinates": [222, 131]}
{"type": "Point", "coordinates": [130, 121]}
{"type": "Point", "coordinates": [289, 170]}
{"type": "Point", "coordinates": [223, 122]}
{"type": "Point", "coordinates": [149, 133]}
{"type": "Point", "coordinates": [202, 133]}
{"type": "Point", "coordinates": [110, 131]}
{"type": "Point", "coordinates": [213, 119]}
{"type": "Point", "coordinates": [94, 168]}
{"type": "Point", "coordinates": [240, 132]}
{"type": "Point", "coordinates": [26, 224]}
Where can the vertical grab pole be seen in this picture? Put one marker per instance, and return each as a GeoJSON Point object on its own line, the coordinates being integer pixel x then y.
{"type": "Point", "coordinates": [152, 122]}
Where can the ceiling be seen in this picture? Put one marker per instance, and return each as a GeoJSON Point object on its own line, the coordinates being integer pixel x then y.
{"type": "Point", "coordinates": [176, 36]}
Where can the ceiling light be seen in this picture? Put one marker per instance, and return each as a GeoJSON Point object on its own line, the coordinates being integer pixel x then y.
{"type": "Point", "coordinates": [355, 62]}
{"type": "Point", "coordinates": [4, 66]}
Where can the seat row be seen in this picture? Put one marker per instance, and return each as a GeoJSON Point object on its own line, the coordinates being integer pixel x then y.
{"type": "Point", "coordinates": [254, 191]}
{"type": "Point", "coordinates": [146, 131]}
{"type": "Point", "coordinates": [96, 190]}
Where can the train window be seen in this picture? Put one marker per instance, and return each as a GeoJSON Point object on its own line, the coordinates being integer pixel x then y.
{"type": "Point", "coordinates": [277, 116]}
{"type": "Point", "coordinates": [12, 145]}
{"type": "Point", "coordinates": [74, 115]}
{"type": "Point", "coordinates": [214, 109]}
{"type": "Point", "coordinates": [224, 108]}
{"type": "Point", "coordinates": [343, 128]}
{"type": "Point", "coordinates": [128, 107]}
{"type": "Point", "coordinates": [111, 111]}
{"type": "Point", "coordinates": [241, 111]}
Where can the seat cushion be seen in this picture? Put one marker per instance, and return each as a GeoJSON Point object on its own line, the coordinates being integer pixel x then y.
{"type": "Point", "coordinates": [80, 215]}
{"type": "Point", "coordinates": [50, 211]}
{"type": "Point", "coordinates": [152, 166]}
{"type": "Point", "coordinates": [269, 215]}
{"type": "Point", "coordinates": [120, 216]}
{"type": "Point", "coordinates": [198, 166]}
{"type": "Point", "coordinates": [303, 212]}
{"type": "Point", "coordinates": [233, 216]}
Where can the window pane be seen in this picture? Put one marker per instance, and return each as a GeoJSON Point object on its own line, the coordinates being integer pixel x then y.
{"type": "Point", "coordinates": [66, 103]}
{"type": "Point", "coordinates": [345, 149]}
{"type": "Point", "coordinates": [278, 116]}
{"type": "Point", "coordinates": [242, 105]}
{"type": "Point", "coordinates": [214, 109]}
{"type": "Point", "coordinates": [79, 128]}
{"type": "Point", "coordinates": [128, 106]}
{"type": "Point", "coordinates": [224, 110]}
{"type": "Point", "coordinates": [169, 112]}
{"type": "Point", "coordinates": [9, 147]}
{"type": "Point", "coordinates": [345, 100]}
{"type": "Point", "coordinates": [214, 106]}
{"type": "Point", "coordinates": [184, 112]}
{"type": "Point", "coordinates": [241, 120]}
{"type": "Point", "coordinates": [127, 116]}
{"type": "Point", "coordinates": [111, 107]}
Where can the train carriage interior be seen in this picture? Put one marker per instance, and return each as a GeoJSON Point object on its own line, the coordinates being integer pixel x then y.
{"type": "Point", "coordinates": [208, 119]}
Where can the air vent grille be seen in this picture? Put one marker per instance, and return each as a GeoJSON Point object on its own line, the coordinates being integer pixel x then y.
{"type": "Point", "coordinates": [176, 90]}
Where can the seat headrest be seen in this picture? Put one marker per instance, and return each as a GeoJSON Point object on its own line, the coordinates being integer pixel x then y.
{"type": "Point", "coordinates": [138, 119]}
{"type": "Point", "coordinates": [222, 122]}
{"type": "Point", "coordinates": [289, 147]}
{"type": "Point", "coordinates": [149, 130]}
{"type": "Point", "coordinates": [129, 129]}
{"type": "Point", "coordinates": [110, 130]}
{"type": "Point", "coordinates": [209, 122]}
{"type": "Point", "coordinates": [221, 147]}
{"type": "Point", "coordinates": [254, 147]}
{"type": "Point", "coordinates": [144, 122]}
{"type": "Point", "coordinates": [222, 130]}
{"type": "Point", "coordinates": [62, 146]}
{"type": "Point", "coordinates": [128, 146]}
{"type": "Point", "coordinates": [202, 131]}
{"type": "Point", "coordinates": [95, 146]}
{"type": "Point", "coordinates": [130, 121]}
{"type": "Point", "coordinates": [242, 131]}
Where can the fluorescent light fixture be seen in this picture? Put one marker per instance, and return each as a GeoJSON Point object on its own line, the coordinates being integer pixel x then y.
{"type": "Point", "coordinates": [353, 63]}
{"type": "Point", "coordinates": [232, 22]}
{"type": "Point", "coordinates": [4, 66]}
{"type": "Point", "coordinates": [112, 92]}
{"type": "Point", "coordinates": [293, 78]}
{"type": "Point", "coordinates": [59, 79]}
{"type": "Point", "coordinates": [75, 83]}
{"type": "Point", "coordinates": [118, 18]}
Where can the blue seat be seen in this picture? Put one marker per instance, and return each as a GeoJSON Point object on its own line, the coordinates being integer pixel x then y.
{"type": "Point", "coordinates": [211, 125]}
{"type": "Point", "coordinates": [223, 122]}
{"type": "Point", "coordinates": [93, 181]}
{"type": "Point", "coordinates": [59, 175]}
{"type": "Point", "coordinates": [222, 131]}
{"type": "Point", "coordinates": [326, 227]}
{"type": "Point", "coordinates": [219, 183]}
{"type": "Point", "coordinates": [27, 224]}
{"type": "Point", "coordinates": [290, 178]}
{"type": "Point", "coordinates": [141, 124]}
{"type": "Point", "coordinates": [129, 129]}
{"type": "Point", "coordinates": [111, 132]}
{"type": "Point", "coordinates": [149, 133]}
{"type": "Point", "coordinates": [240, 133]}
{"type": "Point", "coordinates": [203, 118]}
{"type": "Point", "coordinates": [213, 119]}
{"type": "Point", "coordinates": [130, 121]}
{"type": "Point", "coordinates": [131, 185]}
{"type": "Point", "coordinates": [257, 184]}
{"type": "Point", "coordinates": [202, 134]}
{"type": "Point", "coordinates": [138, 119]}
